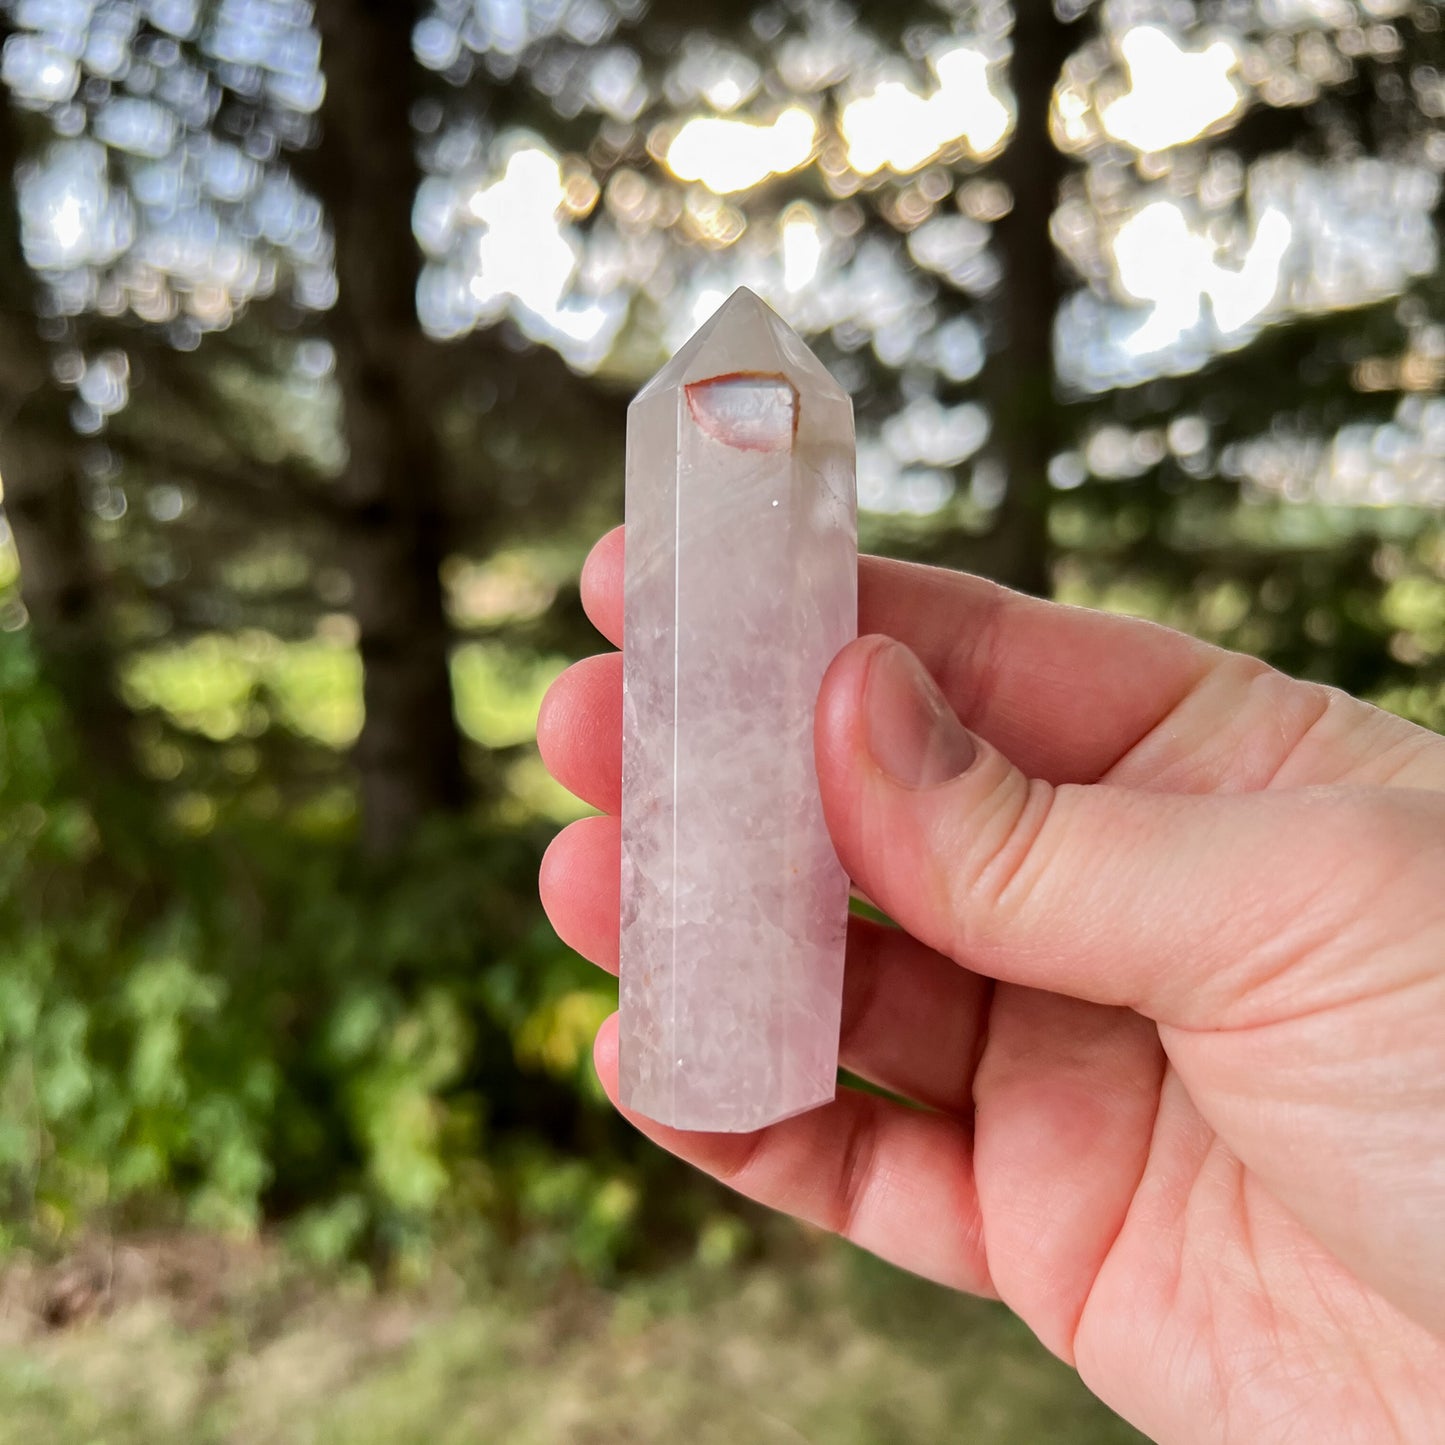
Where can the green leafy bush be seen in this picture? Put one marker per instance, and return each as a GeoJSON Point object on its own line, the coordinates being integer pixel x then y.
{"type": "Point", "coordinates": [249, 1022]}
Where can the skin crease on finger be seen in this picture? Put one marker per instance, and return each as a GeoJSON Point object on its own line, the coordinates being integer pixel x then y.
{"type": "Point", "coordinates": [1121, 1185]}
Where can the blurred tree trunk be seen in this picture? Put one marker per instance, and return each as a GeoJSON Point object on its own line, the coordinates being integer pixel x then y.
{"type": "Point", "coordinates": [1027, 424]}
{"type": "Point", "coordinates": [60, 576]}
{"type": "Point", "coordinates": [409, 756]}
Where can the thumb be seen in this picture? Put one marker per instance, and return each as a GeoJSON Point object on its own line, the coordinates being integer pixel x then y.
{"type": "Point", "coordinates": [1209, 910]}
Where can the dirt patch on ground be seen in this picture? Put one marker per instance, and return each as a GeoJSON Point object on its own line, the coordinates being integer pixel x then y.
{"type": "Point", "coordinates": [197, 1276]}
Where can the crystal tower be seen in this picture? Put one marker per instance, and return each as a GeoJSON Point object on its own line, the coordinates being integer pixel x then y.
{"type": "Point", "coordinates": [741, 587]}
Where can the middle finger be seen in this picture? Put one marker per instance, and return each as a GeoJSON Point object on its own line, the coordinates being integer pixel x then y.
{"type": "Point", "coordinates": [912, 1020]}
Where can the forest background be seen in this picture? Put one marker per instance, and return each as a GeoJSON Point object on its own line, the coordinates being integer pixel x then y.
{"type": "Point", "coordinates": [317, 329]}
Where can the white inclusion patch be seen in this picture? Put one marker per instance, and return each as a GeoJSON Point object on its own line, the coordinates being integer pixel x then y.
{"type": "Point", "coordinates": [750, 410]}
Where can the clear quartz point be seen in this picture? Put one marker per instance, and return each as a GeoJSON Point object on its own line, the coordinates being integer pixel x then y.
{"type": "Point", "coordinates": [741, 587]}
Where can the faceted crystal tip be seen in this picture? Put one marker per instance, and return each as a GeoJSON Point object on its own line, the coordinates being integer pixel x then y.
{"type": "Point", "coordinates": [745, 340]}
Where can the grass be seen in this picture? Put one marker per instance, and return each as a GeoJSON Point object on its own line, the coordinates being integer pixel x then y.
{"type": "Point", "coordinates": [210, 1345]}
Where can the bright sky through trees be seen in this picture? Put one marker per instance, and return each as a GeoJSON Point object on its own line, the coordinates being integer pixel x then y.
{"type": "Point", "coordinates": [1177, 271]}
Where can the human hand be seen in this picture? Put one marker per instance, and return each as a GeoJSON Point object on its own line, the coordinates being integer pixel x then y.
{"type": "Point", "coordinates": [1171, 984]}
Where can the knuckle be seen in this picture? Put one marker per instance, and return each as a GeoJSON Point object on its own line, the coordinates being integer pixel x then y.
{"type": "Point", "coordinates": [1003, 857]}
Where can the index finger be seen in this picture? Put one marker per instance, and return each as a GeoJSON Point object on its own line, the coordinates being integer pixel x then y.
{"type": "Point", "coordinates": [1077, 696]}
{"type": "Point", "coordinates": [1062, 691]}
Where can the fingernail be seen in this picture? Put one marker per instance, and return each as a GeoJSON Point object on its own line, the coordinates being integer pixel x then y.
{"type": "Point", "coordinates": [913, 734]}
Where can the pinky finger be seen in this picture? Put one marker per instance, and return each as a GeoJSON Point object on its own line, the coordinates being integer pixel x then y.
{"type": "Point", "coordinates": [895, 1181]}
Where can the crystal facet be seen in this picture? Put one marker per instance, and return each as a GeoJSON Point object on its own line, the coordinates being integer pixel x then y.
{"type": "Point", "coordinates": [741, 588]}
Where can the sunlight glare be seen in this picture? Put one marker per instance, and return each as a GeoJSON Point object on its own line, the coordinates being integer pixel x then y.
{"type": "Point", "coordinates": [894, 126]}
{"type": "Point", "coordinates": [735, 155]}
{"type": "Point", "coordinates": [1174, 95]}
{"type": "Point", "coordinates": [802, 244]}
{"type": "Point", "coordinates": [56, 77]}
{"type": "Point", "coordinates": [1238, 297]}
{"type": "Point", "coordinates": [705, 304]}
{"type": "Point", "coordinates": [523, 252]}
{"type": "Point", "coordinates": [67, 223]}
{"type": "Point", "coordinates": [1161, 260]}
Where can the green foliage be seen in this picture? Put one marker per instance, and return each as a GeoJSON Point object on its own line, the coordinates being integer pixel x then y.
{"type": "Point", "coordinates": [209, 685]}
{"type": "Point", "coordinates": [250, 1020]}
{"type": "Point", "coordinates": [1352, 597]}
